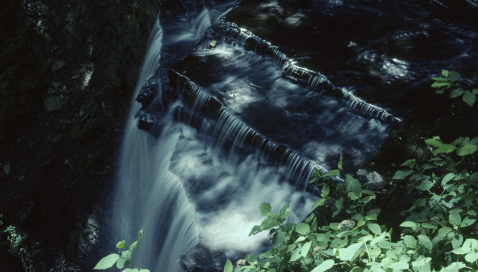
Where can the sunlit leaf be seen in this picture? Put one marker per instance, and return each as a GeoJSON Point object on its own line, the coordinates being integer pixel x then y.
{"type": "Point", "coordinates": [326, 265]}
{"type": "Point", "coordinates": [410, 241]}
{"type": "Point", "coordinates": [228, 267]}
{"type": "Point", "coordinates": [302, 228]}
{"type": "Point", "coordinates": [400, 174]}
{"type": "Point", "coordinates": [107, 262]}
{"type": "Point", "coordinates": [265, 209]}
{"type": "Point", "coordinates": [424, 240]}
{"type": "Point", "coordinates": [120, 244]}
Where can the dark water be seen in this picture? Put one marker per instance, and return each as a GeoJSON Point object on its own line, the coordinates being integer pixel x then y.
{"type": "Point", "coordinates": [336, 77]}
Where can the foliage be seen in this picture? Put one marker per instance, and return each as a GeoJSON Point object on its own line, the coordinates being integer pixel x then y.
{"type": "Point", "coordinates": [451, 80]}
{"type": "Point", "coordinates": [438, 235]}
{"type": "Point", "coordinates": [121, 261]}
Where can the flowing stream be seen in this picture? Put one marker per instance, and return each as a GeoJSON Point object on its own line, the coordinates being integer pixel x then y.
{"type": "Point", "coordinates": [202, 177]}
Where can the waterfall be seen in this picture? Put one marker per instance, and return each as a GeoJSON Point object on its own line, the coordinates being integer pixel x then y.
{"type": "Point", "coordinates": [149, 196]}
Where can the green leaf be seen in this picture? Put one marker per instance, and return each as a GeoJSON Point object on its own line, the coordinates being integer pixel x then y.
{"type": "Point", "coordinates": [445, 73]}
{"type": "Point", "coordinates": [410, 163]}
{"type": "Point", "coordinates": [133, 246]}
{"type": "Point", "coordinates": [439, 79]}
{"type": "Point", "coordinates": [439, 84]}
{"type": "Point", "coordinates": [339, 167]}
{"type": "Point", "coordinates": [120, 244]}
{"type": "Point", "coordinates": [466, 150]}
{"type": "Point", "coordinates": [121, 263]}
{"type": "Point", "coordinates": [435, 142]}
{"type": "Point", "coordinates": [107, 262]}
{"type": "Point", "coordinates": [305, 249]}
{"type": "Point", "coordinates": [324, 266]}
{"type": "Point", "coordinates": [339, 204]}
{"type": "Point", "coordinates": [279, 239]}
{"type": "Point", "coordinates": [425, 185]}
{"type": "Point", "coordinates": [283, 211]}
{"type": "Point", "coordinates": [457, 241]}
{"type": "Point", "coordinates": [455, 218]}
{"type": "Point", "coordinates": [251, 258]}
{"type": "Point", "coordinates": [375, 228]}
{"type": "Point", "coordinates": [335, 172]}
{"type": "Point", "coordinates": [410, 241]}
{"type": "Point", "coordinates": [131, 270]}
{"type": "Point", "coordinates": [302, 228]}
{"type": "Point", "coordinates": [319, 202]}
{"type": "Point", "coordinates": [402, 174]}
{"type": "Point", "coordinates": [424, 240]}
{"type": "Point", "coordinates": [351, 252]}
{"type": "Point", "coordinates": [471, 244]}
{"type": "Point", "coordinates": [447, 178]}
{"type": "Point", "coordinates": [444, 148]}
{"type": "Point", "coordinates": [475, 91]}
{"type": "Point", "coordinates": [409, 224]}
{"type": "Point", "coordinates": [295, 255]}
{"type": "Point", "coordinates": [228, 267]}
{"type": "Point", "coordinates": [429, 226]}
{"type": "Point", "coordinates": [265, 209]}
{"type": "Point", "coordinates": [325, 190]}
{"type": "Point", "coordinates": [456, 93]}
{"type": "Point", "coordinates": [467, 222]}
{"type": "Point", "coordinates": [352, 185]}
{"type": "Point", "coordinates": [471, 257]}
{"type": "Point", "coordinates": [399, 266]}
{"type": "Point", "coordinates": [469, 98]}
{"type": "Point", "coordinates": [371, 217]}
{"type": "Point", "coordinates": [140, 235]}
{"type": "Point", "coordinates": [453, 76]}
{"type": "Point", "coordinates": [456, 266]}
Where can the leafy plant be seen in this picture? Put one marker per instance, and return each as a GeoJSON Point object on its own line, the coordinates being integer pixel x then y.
{"type": "Point", "coordinates": [451, 80]}
{"type": "Point", "coordinates": [121, 261]}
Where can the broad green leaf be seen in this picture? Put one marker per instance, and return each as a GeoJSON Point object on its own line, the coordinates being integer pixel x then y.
{"type": "Point", "coordinates": [466, 150]}
{"type": "Point", "coordinates": [339, 204]}
{"type": "Point", "coordinates": [133, 246]}
{"type": "Point", "coordinates": [126, 254]}
{"type": "Point", "coordinates": [324, 266]}
{"type": "Point", "coordinates": [325, 190]}
{"type": "Point", "coordinates": [469, 98]}
{"type": "Point", "coordinates": [120, 244]}
{"type": "Point", "coordinates": [107, 262]}
{"type": "Point", "coordinates": [456, 266]}
{"type": "Point", "coordinates": [425, 185]}
{"type": "Point", "coordinates": [375, 228]}
{"type": "Point", "coordinates": [371, 217]}
{"type": "Point", "coordinates": [461, 251]}
{"type": "Point", "coordinates": [335, 172]}
{"type": "Point", "coordinates": [251, 258]}
{"type": "Point", "coordinates": [447, 178]}
{"type": "Point", "coordinates": [322, 237]}
{"type": "Point", "coordinates": [302, 228]}
{"type": "Point", "coordinates": [424, 240]}
{"type": "Point", "coordinates": [439, 79]}
{"type": "Point", "coordinates": [279, 239]}
{"type": "Point", "coordinates": [144, 270]}
{"type": "Point", "coordinates": [409, 224]}
{"type": "Point", "coordinates": [352, 185]}
{"type": "Point", "coordinates": [360, 223]}
{"type": "Point", "coordinates": [429, 226]}
{"type": "Point", "coordinates": [435, 142]}
{"type": "Point", "coordinates": [410, 241]}
{"type": "Point", "coordinates": [265, 209]}
{"type": "Point", "coordinates": [471, 244]}
{"type": "Point", "coordinates": [283, 211]}
{"type": "Point", "coordinates": [438, 84]}
{"type": "Point", "coordinates": [121, 263]}
{"type": "Point", "coordinates": [319, 202]}
{"type": "Point", "coordinates": [475, 91]}
{"type": "Point", "coordinates": [399, 266]}
{"type": "Point", "coordinates": [467, 222]}
{"type": "Point", "coordinates": [471, 257]}
{"type": "Point", "coordinates": [351, 252]}
{"type": "Point", "coordinates": [457, 241]}
{"type": "Point", "coordinates": [445, 148]}
{"type": "Point", "coordinates": [445, 73]}
{"type": "Point", "coordinates": [453, 76]}
{"type": "Point", "coordinates": [455, 218]}
{"type": "Point", "coordinates": [375, 252]}
{"type": "Point", "coordinates": [456, 93]}
{"type": "Point", "coordinates": [305, 249]}
{"type": "Point", "coordinates": [228, 267]}
{"type": "Point", "coordinates": [131, 270]}
{"type": "Point", "coordinates": [295, 255]}
{"type": "Point", "coordinates": [410, 163]}
{"type": "Point", "coordinates": [400, 174]}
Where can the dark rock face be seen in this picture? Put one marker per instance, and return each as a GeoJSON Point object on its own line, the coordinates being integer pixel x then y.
{"type": "Point", "coordinates": [68, 69]}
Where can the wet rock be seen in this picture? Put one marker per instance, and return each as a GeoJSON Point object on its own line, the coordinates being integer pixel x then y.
{"type": "Point", "coordinates": [201, 259]}
{"type": "Point", "coordinates": [53, 103]}
{"type": "Point", "coordinates": [373, 180]}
